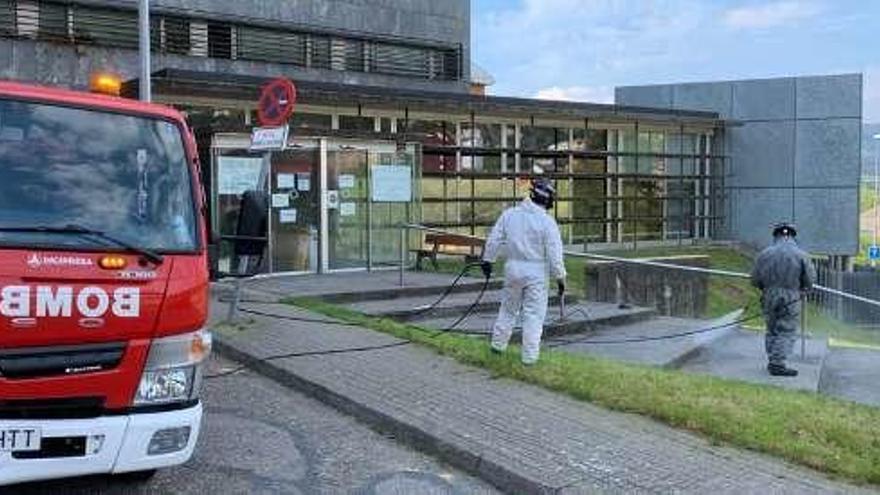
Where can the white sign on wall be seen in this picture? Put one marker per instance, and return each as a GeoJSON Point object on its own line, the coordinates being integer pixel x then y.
{"type": "Point", "coordinates": [269, 138]}
{"type": "Point", "coordinates": [392, 183]}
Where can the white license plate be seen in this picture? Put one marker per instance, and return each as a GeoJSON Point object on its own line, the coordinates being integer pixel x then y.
{"type": "Point", "coordinates": [20, 439]}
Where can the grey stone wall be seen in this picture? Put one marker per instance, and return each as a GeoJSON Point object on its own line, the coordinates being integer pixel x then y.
{"type": "Point", "coordinates": [445, 22]}
{"type": "Point", "coordinates": [672, 292]}
{"type": "Point", "coordinates": [794, 148]}
{"type": "Point", "coordinates": [71, 66]}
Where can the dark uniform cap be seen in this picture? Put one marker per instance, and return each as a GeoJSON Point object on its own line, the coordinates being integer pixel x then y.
{"type": "Point", "coordinates": [784, 229]}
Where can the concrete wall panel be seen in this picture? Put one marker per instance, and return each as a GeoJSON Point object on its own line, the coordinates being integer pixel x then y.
{"type": "Point", "coordinates": [828, 220]}
{"type": "Point", "coordinates": [763, 155]}
{"type": "Point", "coordinates": [822, 97]}
{"type": "Point", "coordinates": [65, 65]}
{"type": "Point", "coordinates": [828, 152]}
{"type": "Point", "coordinates": [710, 97]}
{"type": "Point", "coordinates": [446, 23]}
{"type": "Point", "coordinates": [756, 210]}
{"type": "Point", "coordinates": [659, 96]}
{"type": "Point", "coordinates": [764, 99]}
{"type": "Point", "coordinates": [801, 132]}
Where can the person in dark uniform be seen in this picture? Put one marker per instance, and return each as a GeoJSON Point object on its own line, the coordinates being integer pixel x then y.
{"type": "Point", "coordinates": [783, 273]}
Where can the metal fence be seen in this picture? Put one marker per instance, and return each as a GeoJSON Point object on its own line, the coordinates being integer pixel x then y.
{"type": "Point", "coordinates": [864, 283]}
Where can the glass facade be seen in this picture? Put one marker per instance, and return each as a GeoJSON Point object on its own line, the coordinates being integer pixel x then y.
{"type": "Point", "coordinates": [618, 183]}
{"type": "Point", "coordinates": [615, 183]}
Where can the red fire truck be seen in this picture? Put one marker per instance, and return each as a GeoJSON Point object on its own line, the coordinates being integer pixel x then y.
{"type": "Point", "coordinates": [103, 285]}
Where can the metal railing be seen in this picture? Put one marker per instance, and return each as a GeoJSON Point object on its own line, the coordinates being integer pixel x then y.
{"type": "Point", "coordinates": [404, 229]}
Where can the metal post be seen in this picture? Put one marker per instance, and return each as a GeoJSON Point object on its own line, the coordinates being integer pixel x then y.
{"type": "Point", "coordinates": [803, 327]}
{"type": "Point", "coordinates": [402, 252]}
{"type": "Point", "coordinates": [876, 190]}
{"type": "Point", "coordinates": [368, 186]}
{"type": "Point", "coordinates": [146, 91]}
{"type": "Point", "coordinates": [243, 262]}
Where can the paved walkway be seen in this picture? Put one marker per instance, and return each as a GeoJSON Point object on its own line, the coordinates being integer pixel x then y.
{"type": "Point", "coordinates": [520, 438]}
{"type": "Point", "coordinates": [852, 374]}
{"type": "Point", "coordinates": [740, 355]}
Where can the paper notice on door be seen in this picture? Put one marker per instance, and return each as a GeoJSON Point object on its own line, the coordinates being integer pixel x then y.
{"type": "Point", "coordinates": [286, 181]}
{"type": "Point", "coordinates": [287, 215]}
{"type": "Point", "coordinates": [346, 181]}
{"type": "Point", "coordinates": [236, 175]}
{"type": "Point", "coordinates": [303, 182]}
{"type": "Point", "coordinates": [348, 209]}
{"type": "Point", "coordinates": [280, 200]}
{"type": "Point", "coordinates": [392, 183]}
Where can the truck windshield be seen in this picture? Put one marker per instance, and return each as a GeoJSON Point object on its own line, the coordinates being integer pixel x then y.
{"type": "Point", "coordinates": [123, 175]}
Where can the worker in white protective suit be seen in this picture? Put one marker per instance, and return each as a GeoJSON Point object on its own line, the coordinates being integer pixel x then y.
{"type": "Point", "coordinates": [530, 240]}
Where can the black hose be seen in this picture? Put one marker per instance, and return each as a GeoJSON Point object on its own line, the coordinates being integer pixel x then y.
{"type": "Point", "coordinates": [311, 353]}
{"type": "Point", "coordinates": [344, 323]}
{"type": "Point", "coordinates": [449, 289]}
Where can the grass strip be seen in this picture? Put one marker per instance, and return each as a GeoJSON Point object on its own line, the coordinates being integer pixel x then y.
{"type": "Point", "coordinates": [837, 437]}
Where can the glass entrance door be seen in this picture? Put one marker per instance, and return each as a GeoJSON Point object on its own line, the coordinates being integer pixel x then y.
{"type": "Point", "coordinates": [389, 212]}
{"type": "Point", "coordinates": [363, 224]}
{"type": "Point", "coordinates": [348, 237]}
{"type": "Point", "coordinates": [324, 214]}
{"type": "Point", "coordinates": [235, 170]}
{"type": "Point", "coordinates": [294, 219]}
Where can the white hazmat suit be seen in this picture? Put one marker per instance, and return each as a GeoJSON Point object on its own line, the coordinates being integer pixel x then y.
{"type": "Point", "coordinates": [530, 240]}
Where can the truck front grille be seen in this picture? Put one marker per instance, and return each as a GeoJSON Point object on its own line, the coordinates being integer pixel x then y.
{"type": "Point", "coordinates": [67, 408]}
{"type": "Point", "coordinates": [39, 362]}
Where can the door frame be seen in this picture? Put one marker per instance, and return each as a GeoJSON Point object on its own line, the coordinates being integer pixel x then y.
{"type": "Point", "coordinates": [221, 142]}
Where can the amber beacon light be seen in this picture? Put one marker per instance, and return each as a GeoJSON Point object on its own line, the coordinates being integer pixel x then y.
{"type": "Point", "coordinates": [107, 84]}
{"type": "Point", "coordinates": [112, 262]}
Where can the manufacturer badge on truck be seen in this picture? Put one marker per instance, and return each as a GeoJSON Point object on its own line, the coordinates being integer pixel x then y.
{"type": "Point", "coordinates": [36, 261]}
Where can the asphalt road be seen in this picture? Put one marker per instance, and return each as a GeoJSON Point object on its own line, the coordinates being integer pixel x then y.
{"type": "Point", "coordinates": [259, 437]}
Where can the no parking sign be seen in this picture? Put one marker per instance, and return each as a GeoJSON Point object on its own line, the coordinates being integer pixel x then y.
{"type": "Point", "coordinates": [277, 101]}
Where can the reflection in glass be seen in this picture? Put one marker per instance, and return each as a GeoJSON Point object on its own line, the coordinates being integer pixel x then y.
{"type": "Point", "coordinates": [124, 175]}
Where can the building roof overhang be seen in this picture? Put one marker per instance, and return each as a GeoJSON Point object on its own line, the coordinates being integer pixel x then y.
{"type": "Point", "coordinates": [183, 84]}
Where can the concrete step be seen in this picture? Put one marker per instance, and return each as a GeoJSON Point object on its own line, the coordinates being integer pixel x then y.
{"type": "Point", "coordinates": [740, 355]}
{"type": "Point", "coordinates": [581, 316]}
{"type": "Point", "coordinates": [428, 292]}
{"type": "Point", "coordinates": [361, 286]}
{"type": "Point", "coordinates": [414, 308]}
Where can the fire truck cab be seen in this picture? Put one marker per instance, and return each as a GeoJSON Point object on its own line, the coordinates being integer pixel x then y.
{"type": "Point", "coordinates": [103, 285]}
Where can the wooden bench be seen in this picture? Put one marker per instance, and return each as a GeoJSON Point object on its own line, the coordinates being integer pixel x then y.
{"type": "Point", "coordinates": [438, 243]}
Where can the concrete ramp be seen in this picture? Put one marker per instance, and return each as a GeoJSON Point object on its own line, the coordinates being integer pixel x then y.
{"type": "Point", "coordinates": [660, 341]}
{"type": "Point", "coordinates": [741, 356]}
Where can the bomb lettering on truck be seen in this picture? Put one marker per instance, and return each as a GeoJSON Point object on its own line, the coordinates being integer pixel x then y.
{"type": "Point", "coordinates": [44, 301]}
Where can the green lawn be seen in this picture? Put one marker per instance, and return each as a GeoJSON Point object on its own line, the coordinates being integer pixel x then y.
{"type": "Point", "coordinates": [838, 437]}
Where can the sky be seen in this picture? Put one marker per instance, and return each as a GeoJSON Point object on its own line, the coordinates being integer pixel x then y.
{"type": "Point", "coordinates": [582, 49]}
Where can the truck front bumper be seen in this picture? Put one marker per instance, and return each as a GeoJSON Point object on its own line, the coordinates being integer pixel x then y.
{"type": "Point", "coordinates": [112, 444]}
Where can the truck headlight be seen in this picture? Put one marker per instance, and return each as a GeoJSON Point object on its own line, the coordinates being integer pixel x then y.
{"type": "Point", "coordinates": [173, 372]}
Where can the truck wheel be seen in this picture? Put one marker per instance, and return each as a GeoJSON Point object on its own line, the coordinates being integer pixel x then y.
{"type": "Point", "coordinates": [137, 476]}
